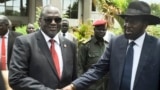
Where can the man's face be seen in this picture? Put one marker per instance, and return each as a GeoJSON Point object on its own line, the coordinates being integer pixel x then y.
{"type": "Point", "coordinates": [30, 28]}
{"type": "Point", "coordinates": [134, 27]}
{"type": "Point", "coordinates": [3, 28]}
{"type": "Point", "coordinates": [99, 31]}
{"type": "Point", "coordinates": [50, 22]}
{"type": "Point", "coordinates": [64, 27]}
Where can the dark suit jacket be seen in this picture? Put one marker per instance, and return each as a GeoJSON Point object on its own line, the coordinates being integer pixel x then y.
{"type": "Point", "coordinates": [2, 85]}
{"type": "Point", "coordinates": [11, 38]}
{"type": "Point", "coordinates": [148, 71]}
{"type": "Point", "coordinates": [32, 67]}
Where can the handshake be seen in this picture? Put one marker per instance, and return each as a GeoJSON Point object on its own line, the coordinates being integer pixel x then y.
{"type": "Point", "coordinates": [69, 87]}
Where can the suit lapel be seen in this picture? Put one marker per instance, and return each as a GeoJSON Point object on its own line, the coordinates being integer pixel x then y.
{"type": "Point", "coordinates": [63, 46]}
{"type": "Point", "coordinates": [10, 44]}
{"type": "Point", "coordinates": [144, 55]}
{"type": "Point", "coordinates": [122, 53]}
{"type": "Point", "coordinates": [45, 50]}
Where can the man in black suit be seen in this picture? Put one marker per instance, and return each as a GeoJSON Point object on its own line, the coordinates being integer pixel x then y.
{"type": "Point", "coordinates": [33, 65]}
{"type": "Point", "coordinates": [132, 59]}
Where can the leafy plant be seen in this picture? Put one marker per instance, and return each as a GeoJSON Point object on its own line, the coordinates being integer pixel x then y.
{"type": "Point", "coordinates": [84, 31]}
{"type": "Point", "coordinates": [22, 29]}
{"type": "Point", "coordinates": [154, 30]}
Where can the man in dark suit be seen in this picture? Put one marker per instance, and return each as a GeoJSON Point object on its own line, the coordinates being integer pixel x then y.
{"type": "Point", "coordinates": [33, 65]}
{"type": "Point", "coordinates": [65, 31]}
{"type": "Point", "coordinates": [9, 37]}
{"type": "Point", "coordinates": [142, 71]}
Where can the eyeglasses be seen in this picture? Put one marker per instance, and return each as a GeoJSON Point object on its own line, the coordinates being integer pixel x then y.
{"type": "Point", "coordinates": [49, 20]}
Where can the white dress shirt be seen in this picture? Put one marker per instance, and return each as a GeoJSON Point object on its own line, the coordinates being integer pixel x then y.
{"type": "Point", "coordinates": [69, 36]}
{"type": "Point", "coordinates": [57, 48]}
{"type": "Point", "coordinates": [137, 53]}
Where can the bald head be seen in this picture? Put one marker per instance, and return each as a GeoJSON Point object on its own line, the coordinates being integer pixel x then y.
{"type": "Point", "coordinates": [49, 9]}
{"type": "Point", "coordinates": [50, 20]}
{"type": "Point", "coordinates": [4, 19]}
{"type": "Point", "coordinates": [4, 23]}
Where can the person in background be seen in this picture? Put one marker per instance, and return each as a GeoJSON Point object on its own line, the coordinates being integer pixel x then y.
{"type": "Point", "coordinates": [65, 31]}
{"type": "Point", "coordinates": [91, 51]}
{"type": "Point", "coordinates": [30, 28]}
{"type": "Point", "coordinates": [43, 60]}
{"type": "Point", "coordinates": [7, 38]}
{"type": "Point", "coordinates": [132, 59]}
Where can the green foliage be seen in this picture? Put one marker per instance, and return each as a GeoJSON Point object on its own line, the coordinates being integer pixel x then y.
{"type": "Point", "coordinates": [72, 11]}
{"type": "Point", "coordinates": [116, 31]}
{"type": "Point", "coordinates": [22, 29]}
{"type": "Point", "coordinates": [38, 11]}
{"type": "Point", "coordinates": [154, 30]}
{"type": "Point", "coordinates": [84, 31]}
{"type": "Point", "coordinates": [121, 4]}
{"type": "Point", "coordinates": [155, 9]}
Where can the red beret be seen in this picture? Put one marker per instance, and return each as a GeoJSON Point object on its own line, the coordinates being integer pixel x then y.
{"type": "Point", "coordinates": [99, 22]}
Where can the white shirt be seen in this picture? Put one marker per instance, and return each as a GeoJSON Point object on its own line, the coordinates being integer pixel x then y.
{"type": "Point", "coordinates": [137, 53]}
{"type": "Point", "coordinates": [57, 48]}
{"type": "Point", "coordinates": [108, 36]}
{"type": "Point", "coordinates": [68, 36]}
{"type": "Point", "coordinates": [6, 47]}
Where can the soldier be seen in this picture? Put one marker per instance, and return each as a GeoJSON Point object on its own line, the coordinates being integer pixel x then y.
{"type": "Point", "coordinates": [91, 50]}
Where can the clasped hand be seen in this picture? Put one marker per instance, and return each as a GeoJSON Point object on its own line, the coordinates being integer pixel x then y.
{"type": "Point", "coordinates": [69, 87]}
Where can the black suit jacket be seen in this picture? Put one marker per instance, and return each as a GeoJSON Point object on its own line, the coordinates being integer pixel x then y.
{"type": "Point", "coordinates": [148, 71]}
{"type": "Point", "coordinates": [32, 67]}
{"type": "Point", "coordinates": [11, 38]}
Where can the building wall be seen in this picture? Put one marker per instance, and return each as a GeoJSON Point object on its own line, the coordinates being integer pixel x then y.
{"type": "Point", "coordinates": [84, 12]}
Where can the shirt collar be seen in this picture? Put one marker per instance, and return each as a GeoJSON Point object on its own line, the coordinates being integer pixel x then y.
{"type": "Point", "coordinates": [139, 41]}
{"type": "Point", "coordinates": [62, 33]}
{"type": "Point", "coordinates": [47, 38]}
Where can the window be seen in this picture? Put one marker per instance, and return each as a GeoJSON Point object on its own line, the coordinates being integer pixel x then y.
{"type": "Point", "coordinates": [93, 6]}
{"type": "Point", "coordinates": [70, 8]}
{"type": "Point", "coordinates": [46, 2]}
{"type": "Point", "coordinates": [14, 7]}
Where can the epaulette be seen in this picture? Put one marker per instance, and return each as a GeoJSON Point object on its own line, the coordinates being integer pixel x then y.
{"type": "Point", "coordinates": [87, 40]}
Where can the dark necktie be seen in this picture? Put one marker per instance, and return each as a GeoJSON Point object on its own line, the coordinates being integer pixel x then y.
{"type": "Point", "coordinates": [3, 54]}
{"type": "Point", "coordinates": [55, 57]}
{"type": "Point", "coordinates": [64, 34]}
{"type": "Point", "coordinates": [127, 71]}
